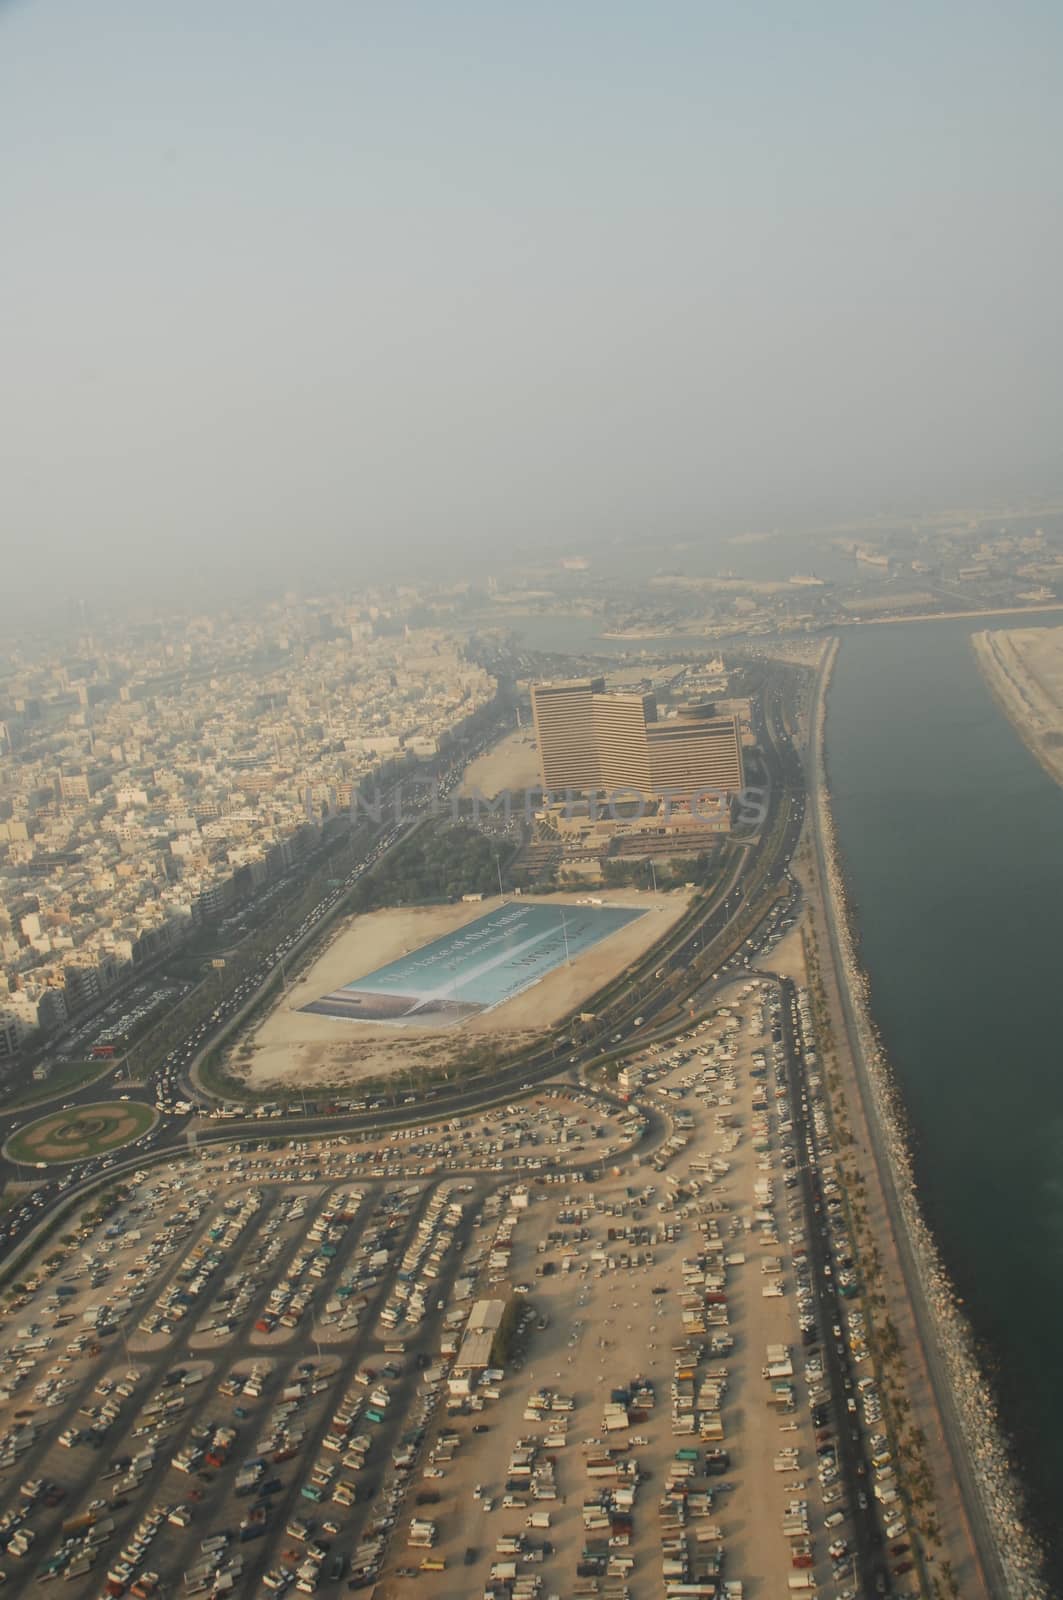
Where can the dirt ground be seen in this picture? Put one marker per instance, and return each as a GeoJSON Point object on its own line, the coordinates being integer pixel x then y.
{"type": "Point", "coordinates": [1024, 669]}
{"type": "Point", "coordinates": [606, 1324]}
{"type": "Point", "coordinates": [294, 1046]}
{"type": "Point", "coordinates": [513, 763]}
{"type": "Point", "coordinates": [787, 958]}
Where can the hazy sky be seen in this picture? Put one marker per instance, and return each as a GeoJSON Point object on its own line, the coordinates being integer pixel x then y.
{"type": "Point", "coordinates": [313, 279]}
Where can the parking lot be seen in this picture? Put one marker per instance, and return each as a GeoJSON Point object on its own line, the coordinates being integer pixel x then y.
{"type": "Point", "coordinates": [141, 1355]}
{"type": "Point", "coordinates": [635, 1440]}
{"type": "Point", "coordinates": [567, 1346]}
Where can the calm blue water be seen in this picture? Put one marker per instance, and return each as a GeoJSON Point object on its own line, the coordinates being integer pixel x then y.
{"type": "Point", "coordinates": [952, 837]}
{"type": "Point", "coordinates": [499, 954]}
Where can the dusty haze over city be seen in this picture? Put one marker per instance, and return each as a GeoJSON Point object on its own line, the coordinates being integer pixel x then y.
{"type": "Point", "coordinates": [514, 985]}
{"type": "Point", "coordinates": [349, 289]}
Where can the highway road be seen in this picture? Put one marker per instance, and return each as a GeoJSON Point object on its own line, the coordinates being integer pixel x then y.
{"type": "Point", "coordinates": [868, 1555]}
{"type": "Point", "coordinates": [983, 1541]}
{"type": "Point", "coordinates": [663, 1007]}
{"type": "Point", "coordinates": [701, 957]}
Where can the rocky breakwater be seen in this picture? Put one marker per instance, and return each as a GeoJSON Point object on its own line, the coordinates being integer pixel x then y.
{"type": "Point", "coordinates": [992, 1469]}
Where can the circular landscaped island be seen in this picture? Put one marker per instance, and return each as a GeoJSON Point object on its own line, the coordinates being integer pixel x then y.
{"type": "Point", "coordinates": [80, 1132]}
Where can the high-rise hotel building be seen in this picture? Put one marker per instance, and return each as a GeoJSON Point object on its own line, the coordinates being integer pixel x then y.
{"type": "Point", "coordinates": [563, 714]}
{"type": "Point", "coordinates": [593, 740]}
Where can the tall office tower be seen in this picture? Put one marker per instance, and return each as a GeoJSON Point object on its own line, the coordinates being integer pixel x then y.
{"type": "Point", "coordinates": [693, 751]}
{"type": "Point", "coordinates": [620, 739]}
{"type": "Point", "coordinates": [591, 740]}
{"type": "Point", "coordinates": [564, 729]}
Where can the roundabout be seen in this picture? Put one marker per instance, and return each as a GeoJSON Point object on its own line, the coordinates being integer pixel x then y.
{"type": "Point", "coordinates": [80, 1133]}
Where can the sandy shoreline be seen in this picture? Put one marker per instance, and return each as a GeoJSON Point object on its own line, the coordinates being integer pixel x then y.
{"type": "Point", "coordinates": [949, 616]}
{"type": "Point", "coordinates": [1023, 668]}
{"type": "Point", "coordinates": [291, 1045]}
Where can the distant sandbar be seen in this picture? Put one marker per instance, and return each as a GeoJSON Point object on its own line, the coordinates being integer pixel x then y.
{"type": "Point", "coordinates": [1024, 670]}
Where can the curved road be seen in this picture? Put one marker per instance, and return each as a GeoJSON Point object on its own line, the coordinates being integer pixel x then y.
{"type": "Point", "coordinates": [665, 1005]}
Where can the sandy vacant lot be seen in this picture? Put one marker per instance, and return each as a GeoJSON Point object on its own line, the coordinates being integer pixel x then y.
{"type": "Point", "coordinates": [1024, 669]}
{"type": "Point", "coordinates": [293, 1046]}
{"type": "Point", "coordinates": [513, 763]}
{"type": "Point", "coordinates": [787, 958]}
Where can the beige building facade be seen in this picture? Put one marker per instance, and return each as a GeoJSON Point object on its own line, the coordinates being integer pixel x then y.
{"type": "Point", "coordinates": [594, 741]}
